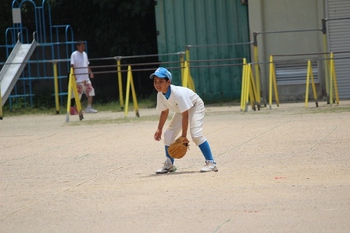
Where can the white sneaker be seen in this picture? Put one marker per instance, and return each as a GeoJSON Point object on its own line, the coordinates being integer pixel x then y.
{"type": "Point", "coordinates": [209, 166]}
{"type": "Point", "coordinates": [90, 110]}
{"type": "Point", "coordinates": [168, 167]}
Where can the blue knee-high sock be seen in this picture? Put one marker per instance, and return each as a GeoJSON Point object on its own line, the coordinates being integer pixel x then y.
{"type": "Point", "coordinates": [205, 148]}
{"type": "Point", "coordinates": [167, 154]}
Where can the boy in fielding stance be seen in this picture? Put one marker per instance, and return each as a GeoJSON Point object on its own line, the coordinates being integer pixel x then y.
{"type": "Point", "coordinates": [188, 110]}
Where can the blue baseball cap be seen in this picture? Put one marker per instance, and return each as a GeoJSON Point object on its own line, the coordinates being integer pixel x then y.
{"type": "Point", "coordinates": [161, 72]}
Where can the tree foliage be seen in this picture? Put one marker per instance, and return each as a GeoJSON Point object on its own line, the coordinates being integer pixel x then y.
{"type": "Point", "coordinates": [5, 19]}
{"type": "Point", "coordinates": [111, 27]}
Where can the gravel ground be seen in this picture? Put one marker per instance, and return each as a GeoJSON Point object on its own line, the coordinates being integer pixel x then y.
{"type": "Point", "coordinates": [284, 169]}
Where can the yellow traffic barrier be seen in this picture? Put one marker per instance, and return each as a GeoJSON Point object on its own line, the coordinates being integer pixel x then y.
{"type": "Point", "coordinates": [333, 81]}
{"type": "Point", "coordinates": [69, 91]}
{"type": "Point", "coordinates": [186, 79]}
{"type": "Point", "coordinates": [120, 84]}
{"type": "Point", "coordinates": [182, 65]}
{"type": "Point", "coordinates": [326, 63]}
{"type": "Point", "coordinates": [310, 75]}
{"type": "Point", "coordinates": [189, 81]}
{"type": "Point", "coordinates": [249, 91]}
{"type": "Point", "coordinates": [72, 86]}
{"type": "Point", "coordinates": [257, 73]}
{"type": "Point", "coordinates": [272, 83]}
{"type": "Point", "coordinates": [55, 76]}
{"type": "Point", "coordinates": [130, 84]}
{"type": "Point", "coordinates": [246, 86]}
{"type": "Point", "coordinates": [252, 89]}
{"type": "Point", "coordinates": [185, 75]}
{"type": "Point", "coordinates": [243, 89]}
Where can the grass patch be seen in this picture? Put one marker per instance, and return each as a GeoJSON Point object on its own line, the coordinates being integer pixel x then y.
{"type": "Point", "coordinates": [330, 109]}
{"type": "Point", "coordinates": [18, 110]}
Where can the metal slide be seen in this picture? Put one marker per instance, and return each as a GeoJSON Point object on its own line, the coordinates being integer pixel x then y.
{"type": "Point", "coordinates": [14, 66]}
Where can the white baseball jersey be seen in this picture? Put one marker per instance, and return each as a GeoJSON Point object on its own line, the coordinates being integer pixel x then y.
{"type": "Point", "coordinates": [80, 62]}
{"type": "Point", "coordinates": [181, 99]}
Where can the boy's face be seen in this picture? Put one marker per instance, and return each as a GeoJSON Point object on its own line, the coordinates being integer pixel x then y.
{"type": "Point", "coordinates": [81, 47]}
{"type": "Point", "coordinates": [160, 84]}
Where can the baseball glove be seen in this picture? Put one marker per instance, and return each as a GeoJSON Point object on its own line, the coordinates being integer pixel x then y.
{"type": "Point", "coordinates": [178, 149]}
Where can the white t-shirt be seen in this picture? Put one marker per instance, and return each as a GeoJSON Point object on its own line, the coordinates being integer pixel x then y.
{"type": "Point", "coordinates": [80, 62]}
{"type": "Point", "coordinates": [180, 100]}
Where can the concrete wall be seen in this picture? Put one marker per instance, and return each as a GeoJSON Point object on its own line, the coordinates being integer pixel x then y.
{"type": "Point", "coordinates": [282, 15]}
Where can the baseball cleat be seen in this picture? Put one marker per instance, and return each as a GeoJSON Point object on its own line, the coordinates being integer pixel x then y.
{"type": "Point", "coordinates": [168, 167]}
{"type": "Point", "coordinates": [209, 166]}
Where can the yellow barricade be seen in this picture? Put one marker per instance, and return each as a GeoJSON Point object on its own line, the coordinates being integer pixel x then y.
{"type": "Point", "coordinates": [55, 76]}
{"type": "Point", "coordinates": [187, 74]}
{"type": "Point", "coordinates": [249, 90]}
{"type": "Point", "coordinates": [72, 86]}
{"type": "Point", "coordinates": [243, 89]}
{"type": "Point", "coordinates": [120, 84]}
{"type": "Point", "coordinates": [257, 74]}
{"type": "Point", "coordinates": [273, 83]}
{"type": "Point", "coordinates": [310, 75]}
{"type": "Point", "coordinates": [332, 81]}
{"type": "Point", "coordinates": [187, 80]}
{"type": "Point", "coordinates": [130, 83]}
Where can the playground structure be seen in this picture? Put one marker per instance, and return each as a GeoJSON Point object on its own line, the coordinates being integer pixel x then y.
{"type": "Point", "coordinates": [16, 63]}
{"type": "Point", "coordinates": [32, 62]}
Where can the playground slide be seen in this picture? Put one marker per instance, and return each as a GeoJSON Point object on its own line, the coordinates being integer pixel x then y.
{"type": "Point", "coordinates": [14, 66]}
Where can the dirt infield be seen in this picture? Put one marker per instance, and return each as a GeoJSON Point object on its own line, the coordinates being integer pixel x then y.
{"type": "Point", "coordinates": [280, 170]}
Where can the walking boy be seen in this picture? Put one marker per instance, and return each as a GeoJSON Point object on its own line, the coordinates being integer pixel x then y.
{"type": "Point", "coordinates": [80, 63]}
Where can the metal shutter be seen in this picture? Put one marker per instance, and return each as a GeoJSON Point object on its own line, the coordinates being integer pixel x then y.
{"type": "Point", "coordinates": [291, 72]}
{"type": "Point", "coordinates": [338, 33]}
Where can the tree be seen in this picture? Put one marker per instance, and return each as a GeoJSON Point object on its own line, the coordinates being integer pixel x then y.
{"type": "Point", "coordinates": [111, 27]}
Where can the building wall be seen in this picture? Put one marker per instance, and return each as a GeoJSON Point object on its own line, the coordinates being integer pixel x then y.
{"type": "Point", "coordinates": [286, 15]}
{"type": "Point", "coordinates": [207, 27]}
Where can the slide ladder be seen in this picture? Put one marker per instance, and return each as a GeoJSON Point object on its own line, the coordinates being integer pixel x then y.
{"type": "Point", "coordinates": [13, 67]}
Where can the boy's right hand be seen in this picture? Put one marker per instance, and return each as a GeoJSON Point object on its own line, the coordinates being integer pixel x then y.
{"type": "Point", "coordinates": [158, 135]}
